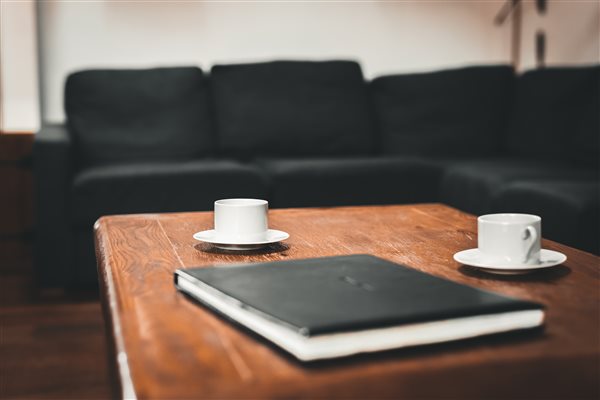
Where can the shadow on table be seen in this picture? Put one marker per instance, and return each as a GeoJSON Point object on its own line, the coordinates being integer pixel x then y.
{"type": "Point", "coordinates": [271, 248]}
{"type": "Point", "coordinates": [542, 275]}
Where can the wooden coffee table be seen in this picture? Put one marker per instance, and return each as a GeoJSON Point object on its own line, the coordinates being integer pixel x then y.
{"type": "Point", "coordinates": [165, 346]}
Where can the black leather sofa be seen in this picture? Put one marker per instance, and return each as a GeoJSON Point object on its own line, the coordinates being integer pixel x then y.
{"type": "Point", "coordinates": [301, 134]}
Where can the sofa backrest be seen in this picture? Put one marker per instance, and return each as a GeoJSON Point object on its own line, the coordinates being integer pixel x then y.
{"type": "Point", "coordinates": [151, 114]}
{"type": "Point", "coordinates": [292, 108]}
{"type": "Point", "coordinates": [457, 112]}
{"type": "Point", "coordinates": [556, 115]}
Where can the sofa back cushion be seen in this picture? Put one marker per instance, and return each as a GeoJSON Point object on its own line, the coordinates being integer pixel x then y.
{"type": "Point", "coordinates": [297, 108]}
{"type": "Point", "coordinates": [556, 114]}
{"type": "Point", "coordinates": [152, 114]}
{"type": "Point", "coordinates": [459, 112]}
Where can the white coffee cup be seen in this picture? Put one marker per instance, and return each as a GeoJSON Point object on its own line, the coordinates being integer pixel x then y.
{"type": "Point", "coordinates": [510, 239]}
{"type": "Point", "coordinates": [241, 219]}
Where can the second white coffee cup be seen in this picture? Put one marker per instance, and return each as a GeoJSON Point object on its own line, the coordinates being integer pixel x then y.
{"type": "Point", "coordinates": [510, 239]}
{"type": "Point", "coordinates": [241, 219]}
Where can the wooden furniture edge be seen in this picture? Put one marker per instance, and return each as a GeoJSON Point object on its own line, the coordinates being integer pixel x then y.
{"type": "Point", "coordinates": [15, 133]}
{"type": "Point", "coordinates": [118, 362]}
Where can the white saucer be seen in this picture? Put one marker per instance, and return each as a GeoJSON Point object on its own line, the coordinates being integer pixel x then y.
{"type": "Point", "coordinates": [474, 258]}
{"type": "Point", "coordinates": [228, 243]}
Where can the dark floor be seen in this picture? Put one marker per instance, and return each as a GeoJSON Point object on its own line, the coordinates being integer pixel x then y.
{"type": "Point", "coordinates": [52, 343]}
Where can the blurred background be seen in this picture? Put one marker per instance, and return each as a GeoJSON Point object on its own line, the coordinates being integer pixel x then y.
{"type": "Point", "coordinates": [42, 42]}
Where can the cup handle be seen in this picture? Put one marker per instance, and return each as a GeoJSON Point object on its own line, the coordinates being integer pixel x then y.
{"type": "Point", "coordinates": [530, 233]}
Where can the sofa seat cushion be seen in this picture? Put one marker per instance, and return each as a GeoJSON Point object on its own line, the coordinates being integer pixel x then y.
{"type": "Point", "coordinates": [125, 115]}
{"type": "Point", "coordinates": [350, 181]}
{"type": "Point", "coordinates": [292, 108]}
{"type": "Point", "coordinates": [471, 185]}
{"type": "Point", "coordinates": [160, 187]}
{"type": "Point", "coordinates": [437, 113]}
{"type": "Point", "coordinates": [570, 210]}
{"type": "Point", "coordinates": [556, 114]}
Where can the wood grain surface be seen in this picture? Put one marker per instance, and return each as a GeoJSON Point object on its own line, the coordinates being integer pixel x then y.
{"type": "Point", "coordinates": [52, 350]}
{"type": "Point", "coordinates": [166, 346]}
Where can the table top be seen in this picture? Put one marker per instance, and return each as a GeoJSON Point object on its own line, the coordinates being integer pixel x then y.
{"type": "Point", "coordinates": [166, 346]}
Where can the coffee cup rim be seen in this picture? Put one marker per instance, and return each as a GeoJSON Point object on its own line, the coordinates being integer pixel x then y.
{"type": "Point", "coordinates": [526, 218]}
{"type": "Point", "coordinates": [241, 202]}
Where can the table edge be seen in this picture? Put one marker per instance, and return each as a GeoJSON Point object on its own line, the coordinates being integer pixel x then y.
{"type": "Point", "coordinates": [111, 313]}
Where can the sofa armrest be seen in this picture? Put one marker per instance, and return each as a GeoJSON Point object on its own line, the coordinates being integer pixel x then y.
{"type": "Point", "coordinates": [52, 173]}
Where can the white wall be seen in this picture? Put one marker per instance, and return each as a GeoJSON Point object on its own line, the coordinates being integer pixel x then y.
{"type": "Point", "coordinates": [384, 37]}
{"type": "Point", "coordinates": [572, 30]}
{"type": "Point", "coordinates": [19, 109]}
